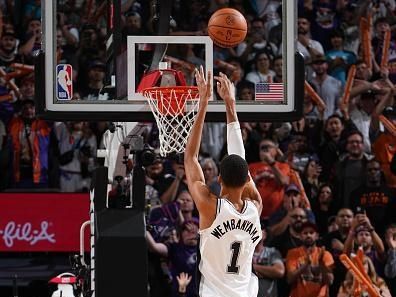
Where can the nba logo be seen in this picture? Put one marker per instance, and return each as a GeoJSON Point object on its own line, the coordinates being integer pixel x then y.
{"type": "Point", "coordinates": [64, 82]}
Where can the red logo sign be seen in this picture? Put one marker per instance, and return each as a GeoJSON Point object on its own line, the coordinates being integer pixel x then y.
{"type": "Point", "coordinates": [43, 221]}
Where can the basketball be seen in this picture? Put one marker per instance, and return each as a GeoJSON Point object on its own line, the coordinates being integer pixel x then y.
{"type": "Point", "coordinates": [227, 27]}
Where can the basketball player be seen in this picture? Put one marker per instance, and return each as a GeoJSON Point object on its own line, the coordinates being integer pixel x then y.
{"type": "Point", "coordinates": [229, 225]}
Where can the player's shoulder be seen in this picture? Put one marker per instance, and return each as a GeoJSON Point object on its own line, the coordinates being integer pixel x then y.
{"type": "Point", "coordinates": [202, 195]}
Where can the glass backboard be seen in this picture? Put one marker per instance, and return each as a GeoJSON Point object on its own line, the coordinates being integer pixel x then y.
{"type": "Point", "coordinates": [93, 71]}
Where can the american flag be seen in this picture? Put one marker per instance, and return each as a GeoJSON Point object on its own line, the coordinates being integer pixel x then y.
{"type": "Point", "coordinates": [269, 91]}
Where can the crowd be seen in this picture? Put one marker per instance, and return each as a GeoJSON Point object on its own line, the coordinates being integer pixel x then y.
{"type": "Point", "coordinates": [327, 181]}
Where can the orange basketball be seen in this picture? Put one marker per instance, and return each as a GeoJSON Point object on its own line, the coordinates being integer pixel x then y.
{"type": "Point", "coordinates": [227, 27]}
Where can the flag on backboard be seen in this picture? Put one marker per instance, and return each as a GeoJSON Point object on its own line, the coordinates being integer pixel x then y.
{"type": "Point", "coordinates": [269, 91]}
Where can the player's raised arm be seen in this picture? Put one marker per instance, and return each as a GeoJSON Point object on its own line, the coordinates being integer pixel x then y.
{"type": "Point", "coordinates": [194, 173]}
{"type": "Point", "coordinates": [226, 90]}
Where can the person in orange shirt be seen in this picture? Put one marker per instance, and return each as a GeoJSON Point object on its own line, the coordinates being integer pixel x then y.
{"type": "Point", "coordinates": [309, 268]}
{"type": "Point", "coordinates": [384, 147]}
{"type": "Point", "coordinates": [270, 177]}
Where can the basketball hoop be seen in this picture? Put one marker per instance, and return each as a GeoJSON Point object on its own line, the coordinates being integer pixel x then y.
{"type": "Point", "coordinates": [174, 109]}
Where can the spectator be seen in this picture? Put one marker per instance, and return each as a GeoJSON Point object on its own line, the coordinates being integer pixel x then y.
{"type": "Point", "coordinates": [268, 11]}
{"type": "Point", "coordinates": [382, 25]}
{"type": "Point", "coordinates": [375, 197]}
{"type": "Point", "coordinates": [308, 47]}
{"type": "Point", "coordinates": [73, 142]}
{"type": "Point", "coordinates": [182, 255]}
{"type": "Point", "coordinates": [347, 288]}
{"type": "Point", "coordinates": [280, 220]}
{"type": "Point", "coordinates": [278, 69]}
{"type": "Point", "coordinates": [29, 144]}
{"type": "Point", "coordinates": [325, 18]}
{"type": "Point", "coordinates": [368, 107]}
{"type": "Point", "coordinates": [309, 267]}
{"type": "Point", "coordinates": [268, 265]}
{"type": "Point", "coordinates": [235, 71]}
{"type": "Point", "coordinates": [298, 153]}
{"type": "Point", "coordinates": [324, 207]}
{"type": "Point", "coordinates": [174, 182]}
{"type": "Point", "coordinates": [270, 176]}
{"type": "Point", "coordinates": [66, 43]}
{"type": "Point", "coordinates": [256, 42]}
{"type": "Point", "coordinates": [211, 172]}
{"type": "Point", "coordinates": [8, 43]}
{"type": "Point", "coordinates": [332, 224]}
{"type": "Point", "coordinates": [213, 140]}
{"type": "Point", "coordinates": [312, 121]}
{"type": "Point", "coordinates": [291, 237]}
{"type": "Point", "coordinates": [350, 170]}
{"type": "Point", "coordinates": [32, 40]}
{"type": "Point", "coordinates": [27, 87]}
{"type": "Point", "coordinates": [390, 266]}
{"type": "Point", "coordinates": [328, 88]}
{"type": "Point", "coordinates": [334, 243]}
{"type": "Point", "coordinates": [364, 235]}
{"type": "Point", "coordinates": [262, 72]}
{"type": "Point", "coordinates": [310, 179]}
{"type": "Point", "coordinates": [245, 91]}
{"type": "Point", "coordinates": [339, 58]}
{"type": "Point", "coordinates": [333, 144]}
{"type": "Point", "coordinates": [88, 51]}
{"type": "Point", "coordinates": [384, 148]}
{"type": "Point", "coordinates": [94, 89]}
{"type": "Point", "coordinates": [186, 206]}
{"type": "Point", "coordinates": [154, 180]}
{"type": "Point", "coordinates": [133, 25]}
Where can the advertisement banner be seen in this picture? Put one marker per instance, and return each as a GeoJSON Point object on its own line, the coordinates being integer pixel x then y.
{"type": "Point", "coordinates": [43, 222]}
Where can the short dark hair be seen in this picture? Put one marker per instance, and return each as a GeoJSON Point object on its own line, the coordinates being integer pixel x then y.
{"type": "Point", "coordinates": [337, 33]}
{"type": "Point", "coordinates": [354, 132]}
{"type": "Point", "coordinates": [381, 20]}
{"type": "Point", "coordinates": [234, 171]}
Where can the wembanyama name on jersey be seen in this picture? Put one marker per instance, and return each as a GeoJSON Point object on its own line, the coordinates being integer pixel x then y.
{"type": "Point", "coordinates": [239, 224]}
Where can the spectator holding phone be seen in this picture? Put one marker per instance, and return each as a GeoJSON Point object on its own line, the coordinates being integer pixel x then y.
{"type": "Point", "coordinates": [363, 235]}
{"type": "Point", "coordinates": [32, 41]}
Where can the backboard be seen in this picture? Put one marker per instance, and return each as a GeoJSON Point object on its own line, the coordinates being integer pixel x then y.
{"type": "Point", "coordinates": [92, 69]}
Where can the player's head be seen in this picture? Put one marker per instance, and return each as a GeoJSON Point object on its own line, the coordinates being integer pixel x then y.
{"type": "Point", "coordinates": [234, 171]}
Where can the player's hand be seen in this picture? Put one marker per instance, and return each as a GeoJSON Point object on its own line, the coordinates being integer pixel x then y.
{"type": "Point", "coordinates": [225, 88]}
{"type": "Point", "coordinates": [204, 85]}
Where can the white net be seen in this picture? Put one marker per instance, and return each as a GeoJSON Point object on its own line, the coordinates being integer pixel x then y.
{"type": "Point", "coordinates": [174, 109]}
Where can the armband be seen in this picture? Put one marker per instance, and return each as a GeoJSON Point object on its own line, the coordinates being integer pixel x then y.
{"type": "Point", "coordinates": [234, 140]}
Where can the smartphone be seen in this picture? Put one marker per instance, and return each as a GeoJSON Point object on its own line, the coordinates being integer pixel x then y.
{"type": "Point", "coordinates": [360, 210]}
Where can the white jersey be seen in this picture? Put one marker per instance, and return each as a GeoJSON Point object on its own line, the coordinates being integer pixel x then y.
{"type": "Point", "coordinates": [226, 250]}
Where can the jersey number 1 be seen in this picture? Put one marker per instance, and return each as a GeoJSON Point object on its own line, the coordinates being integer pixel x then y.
{"type": "Point", "coordinates": [236, 248]}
